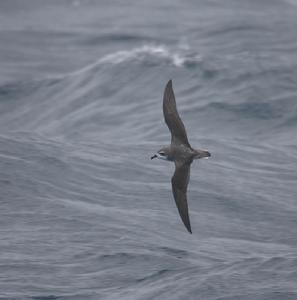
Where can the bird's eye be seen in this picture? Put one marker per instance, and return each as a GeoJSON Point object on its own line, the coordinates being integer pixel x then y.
{"type": "Point", "coordinates": [162, 153]}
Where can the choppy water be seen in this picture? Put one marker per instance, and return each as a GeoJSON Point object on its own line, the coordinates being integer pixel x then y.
{"type": "Point", "coordinates": [84, 213]}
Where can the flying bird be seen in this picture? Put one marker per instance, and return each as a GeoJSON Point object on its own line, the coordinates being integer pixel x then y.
{"type": "Point", "coordinates": [180, 152]}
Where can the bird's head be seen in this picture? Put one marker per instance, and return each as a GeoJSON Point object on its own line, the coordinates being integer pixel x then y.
{"type": "Point", "coordinates": [163, 153]}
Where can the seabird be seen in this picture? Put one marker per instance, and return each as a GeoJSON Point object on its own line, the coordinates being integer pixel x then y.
{"type": "Point", "coordinates": [180, 152]}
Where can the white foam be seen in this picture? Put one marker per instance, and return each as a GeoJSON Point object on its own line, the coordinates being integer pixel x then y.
{"type": "Point", "coordinates": [161, 51]}
{"type": "Point", "coordinates": [178, 58]}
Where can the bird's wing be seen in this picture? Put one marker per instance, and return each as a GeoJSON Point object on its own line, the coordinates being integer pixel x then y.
{"type": "Point", "coordinates": [172, 118]}
{"type": "Point", "coordinates": [180, 182]}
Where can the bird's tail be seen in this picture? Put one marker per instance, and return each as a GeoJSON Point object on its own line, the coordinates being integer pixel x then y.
{"type": "Point", "coordinates": [202, 154]}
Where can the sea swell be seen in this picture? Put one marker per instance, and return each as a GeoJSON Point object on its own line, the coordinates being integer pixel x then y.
{"type": "Point", "coordinates": [85, 213]}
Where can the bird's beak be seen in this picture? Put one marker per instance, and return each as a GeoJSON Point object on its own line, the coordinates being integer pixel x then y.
{"type": "Point", "coordinates": [154, 156]}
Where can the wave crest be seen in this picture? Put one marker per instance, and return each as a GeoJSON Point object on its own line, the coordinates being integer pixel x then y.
{"type": "Point", "coordinates": [159, 52]}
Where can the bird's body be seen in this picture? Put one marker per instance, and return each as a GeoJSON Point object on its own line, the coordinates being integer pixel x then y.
{"type": "Point", "coordinates": [180, 152]}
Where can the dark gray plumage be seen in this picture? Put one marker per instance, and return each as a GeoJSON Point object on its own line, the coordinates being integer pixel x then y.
{"type": "Point", "coordinates": [180, 152]}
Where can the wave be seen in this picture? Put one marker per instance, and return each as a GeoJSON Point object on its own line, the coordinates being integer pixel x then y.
{"type": "Point", "coordinates": [162, 52]}
{"type": "Point", "coordinates": [80, 102]}
{"type": "Point", "coordinates": [148, 54]}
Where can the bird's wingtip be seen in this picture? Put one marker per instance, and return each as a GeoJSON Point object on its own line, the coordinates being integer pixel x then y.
{"type": "Point", "coordinates": [169, 83]}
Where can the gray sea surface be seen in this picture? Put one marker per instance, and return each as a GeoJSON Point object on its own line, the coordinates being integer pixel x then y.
{"type": "Point", "coordinates": [84, 212]}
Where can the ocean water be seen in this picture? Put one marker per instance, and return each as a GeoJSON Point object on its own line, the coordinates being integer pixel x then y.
{"type": "Point", "coordinates": [84, 212]}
